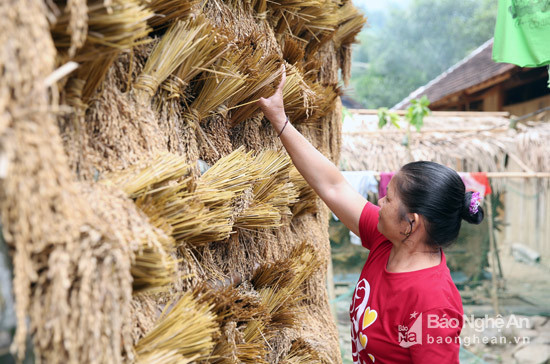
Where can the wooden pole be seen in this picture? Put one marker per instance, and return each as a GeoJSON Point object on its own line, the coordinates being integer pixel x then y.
{"type": "Point", "coordinates": [492, 256]}
{"type": "Point", "coordinates": [330, 288]}
{"type": "Point", "coordinates": [504, 174]}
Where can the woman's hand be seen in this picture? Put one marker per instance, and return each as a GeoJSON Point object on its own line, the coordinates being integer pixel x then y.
{"type": "Point", "coordinates": [273, 106]}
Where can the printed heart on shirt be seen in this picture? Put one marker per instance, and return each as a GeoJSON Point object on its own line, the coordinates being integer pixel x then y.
{"type": "Point", "coordinates": [369, 318]}
{"type": "Point", "coordinates": [363, 340]}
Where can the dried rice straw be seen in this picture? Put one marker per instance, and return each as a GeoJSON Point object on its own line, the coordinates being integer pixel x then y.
{"type": "Point", "coordinates": [301, 353]}
{"type": "Point", "coordinates": [168, 11]}
{"type": "Point", "coordinates": [207, 45]}
{"type": "Point", "coordinates": [146, 178]}
{"type": "Point", "coordinates": [113, 26]}
{"type": "Point", "coordinates": [167, 56]}
{"type": "Point", "coordinates": [307, 198]}
{"type": "Point", "coordinates": [182, 335]}
{"type": "Point", "coordinates": [298, 95]}
{"type": "Point", "coordinates": [351, 21]}
{"type": "Point", "coordinates": [222, 81]}
{"type": "Point", "coordinates": [272, 194]}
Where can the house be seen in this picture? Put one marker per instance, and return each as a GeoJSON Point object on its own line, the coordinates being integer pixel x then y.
{"type": "Point", "coordinates": [477, 83]}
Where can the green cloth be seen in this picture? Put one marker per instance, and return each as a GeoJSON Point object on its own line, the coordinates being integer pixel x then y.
{"type": "Point", "coordinates": [522, 33]}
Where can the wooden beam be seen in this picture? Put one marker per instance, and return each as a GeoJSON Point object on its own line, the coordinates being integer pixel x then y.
{"type": "Point", "coordinates": [518, 160]}
{"type": "Point", "coordinates": [490, 82]}
{"type": "Point", "coordinates": [503, 114]}
{"type": "Point", "coordinates": [503, 174]}
{"type": "Point", "coordinates": [428, 131]}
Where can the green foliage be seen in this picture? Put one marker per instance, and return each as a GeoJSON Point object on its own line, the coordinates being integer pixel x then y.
{"type": "Point", "coordinates": [416, 112]}
{"type": "Point", "coordinates": [414, 116]}
{"type": "Point", "coordinates": [405, 48]}
{"type": "Point", "coordinates": [385, 117]}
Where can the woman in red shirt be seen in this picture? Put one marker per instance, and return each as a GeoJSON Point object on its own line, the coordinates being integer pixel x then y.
{"type": "Point", "coordinates": [405, 307]}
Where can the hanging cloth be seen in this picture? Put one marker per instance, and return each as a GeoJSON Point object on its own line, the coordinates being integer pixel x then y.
{"type": "Point", "coordinates": [362, 181]}
{"type": "Point", "coordinates": [385, 178]}
{"type": "Point", "coordinates": [481, 177]}
{"type": "Point", "coordinates": [477, 182]}
{"type": "Point", "coordinates": [522, 33]}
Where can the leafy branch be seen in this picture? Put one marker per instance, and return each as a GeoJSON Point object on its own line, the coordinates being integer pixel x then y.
{"type": "Point", "coordinates": [414, 116]}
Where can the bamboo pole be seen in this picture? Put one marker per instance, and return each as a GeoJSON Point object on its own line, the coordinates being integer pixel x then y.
{"type": "Point", "coordinates": [518, 175]}
{"type": "Point", "coordinates": [428, 131]}
{"type": "Point", "coordinates": [492, 255]}
{"type": "Point", "coordinates": [331, 289]}
{"type": "Point", "coordinates": [497, 175]}
{"type": "Point", "coordinates": [437, 113]}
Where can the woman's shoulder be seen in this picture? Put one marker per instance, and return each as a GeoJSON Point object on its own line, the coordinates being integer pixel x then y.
{"type": "Point", "coordinates": [437, 290]}
{"type": "Point", "coordinates": [368, 227]}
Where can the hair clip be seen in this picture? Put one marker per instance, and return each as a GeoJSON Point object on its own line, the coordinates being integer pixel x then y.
{"type": "Point", "coordinates": [474, 202]}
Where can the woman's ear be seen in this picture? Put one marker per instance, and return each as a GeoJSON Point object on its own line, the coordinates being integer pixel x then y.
{"type": "Point", "coordinates": [415, 221]}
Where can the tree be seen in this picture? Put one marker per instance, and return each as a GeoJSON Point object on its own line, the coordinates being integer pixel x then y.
{"type": "Point", "coordinates": [411, 46]}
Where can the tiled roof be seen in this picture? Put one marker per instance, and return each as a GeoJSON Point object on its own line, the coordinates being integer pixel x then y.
{"type": "Point", "coordinates": [476, 68]}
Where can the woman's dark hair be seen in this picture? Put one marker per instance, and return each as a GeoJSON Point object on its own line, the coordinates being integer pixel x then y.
{"type": "Point", "coordinates": [438, 194]}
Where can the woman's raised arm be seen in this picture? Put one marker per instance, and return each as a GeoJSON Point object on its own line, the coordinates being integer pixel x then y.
{"type": "Point", "coordinates": [320, 173]}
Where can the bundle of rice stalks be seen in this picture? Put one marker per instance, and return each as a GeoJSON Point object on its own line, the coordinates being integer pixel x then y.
{"type": "Point", "coordinates": [167, 55]}
{"type": "Point", "coordinates": [201, 212]}
{"type": "Point", "coordinates": [233, 173]}
{"type": "Point", "coordinates": [321, 24]}
{"type": "Point", "coordinates": [282, 305]}
{"type": "Point", "coordinates": [262, 71]}
{"type": "Point", "coordinates": [293, 49]}
{"type": "Point", "coordinates": [307, 198]}
{"type": "Point", "coordinates": [286, 13]}
{"type": "Point", "coordinates": [240, 314]}
{"type": "Point", "coordinates": [313, 21]}
{"type": "Point", "coordinates": [298, 95]}
{"type": "Point", "coordinates": [271, 194]}
{"type": "Point", "coordinates": [148, 178]}
{"type": "Point", "coordinates": [325, 102]}
{"type": "Point", "coordinates": [93, 73]}
{"type": "Point", "coordinates": [106, 30]}
{"type": "Point", "coordinates": [191, 220]}
{"type": "Point", "coordinates": [220, 83]}
{"type": "Point", "coordinates": [113, 27]}
{"type": "Point", "coordinates": [260, 6]}
{"type": "Point", "coordinates": [254, 348]}
{"type": "Point", "coordinates": [350, 23]}
{"type": "Point", "coordinates": [279, 284]}
{"type": "Point", "coordinates": [231, 303]}
{"type": "Point", "coordinates": [304, 262]}
{"type": "Point", "coordinates": [166, 192]}
{"type": "Point", "coordinates": [256, 6]}
{"type": "Point", "coordinates": [168, 11]}
{"type": "Point", "coordinates": [301, 353]}
{"type": "Point", "coordinates": [207, 44]}
{"type": "Point", "coordinates": [154, 269]}
{"type": "Point", "coordinates": [290, 272]}
{"type": "Point", "coordinates": [183, 334]}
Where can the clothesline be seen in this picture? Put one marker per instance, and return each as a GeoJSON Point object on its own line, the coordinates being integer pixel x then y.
{"type": "Point", "coordinates": [376, 182]}
{"type": "Point", "coordinates": [503, 174]}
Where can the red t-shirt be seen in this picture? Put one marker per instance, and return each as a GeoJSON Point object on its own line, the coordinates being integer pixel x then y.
{"type": "Point", "coordinates": [412, 317]}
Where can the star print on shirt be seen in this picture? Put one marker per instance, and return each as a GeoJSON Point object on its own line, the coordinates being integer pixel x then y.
{"type": "Point", "coordinates": [413, 315]}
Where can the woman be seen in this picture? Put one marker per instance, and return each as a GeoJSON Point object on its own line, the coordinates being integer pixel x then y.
{"type": "Point", "coordinates": [405, 307]}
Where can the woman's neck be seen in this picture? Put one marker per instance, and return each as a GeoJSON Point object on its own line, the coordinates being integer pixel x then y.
{"type": "Point", "coordinates": [407, 257]}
